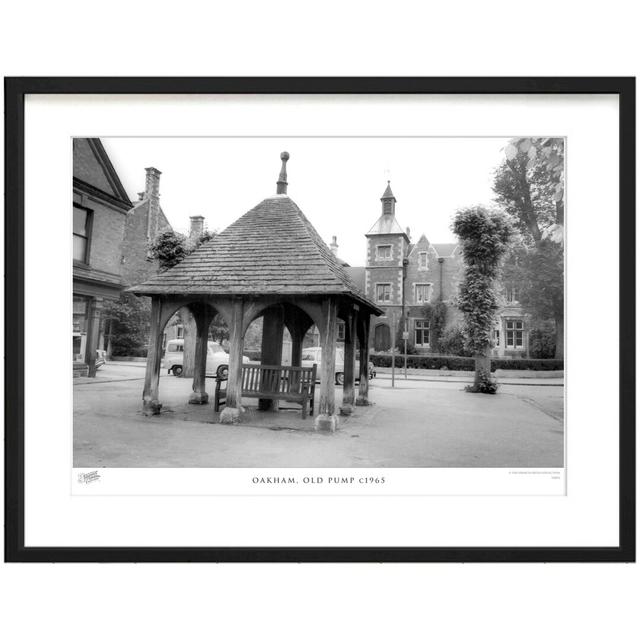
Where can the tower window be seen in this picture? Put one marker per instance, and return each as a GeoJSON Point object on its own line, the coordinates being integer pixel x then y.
{"type": "Point", "coordinates": [383, 293]}
{"type": "Point", "coordinates": [383, 252]}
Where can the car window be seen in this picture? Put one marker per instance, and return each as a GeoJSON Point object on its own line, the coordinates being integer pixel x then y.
{"type": "Point", "coordinates": [340, 357]}
{"type": "Point", "coordinates": [215, 347]}
{"type": "Point", "coordinates": [308, 356]}
{"type": "Point", "coordinates": [175, 347]}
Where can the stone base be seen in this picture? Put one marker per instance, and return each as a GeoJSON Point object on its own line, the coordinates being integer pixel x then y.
{"type": "Point", "coordinates": [326, 422]}
{"type": "Point", "coordinates": [362, 402]}
{"type": "Point", "coordinates": [230, 415]}
{"type": "Point", "coordinates": [347, 410]}
{"type": "Point", "coordinates": [199, 397]}
{"type": "Point", "coordinates": [151, 408]}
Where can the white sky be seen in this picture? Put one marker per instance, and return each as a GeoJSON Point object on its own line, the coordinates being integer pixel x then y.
{"type": "Point", "coordinates": [337, 182]}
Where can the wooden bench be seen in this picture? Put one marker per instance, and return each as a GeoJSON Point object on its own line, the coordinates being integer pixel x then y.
{"type": "Point", "coordinates": [273, 382]}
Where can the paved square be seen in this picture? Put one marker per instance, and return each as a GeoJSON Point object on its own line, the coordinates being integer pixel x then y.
{"type": "Point", "coordinates": [420, 423]}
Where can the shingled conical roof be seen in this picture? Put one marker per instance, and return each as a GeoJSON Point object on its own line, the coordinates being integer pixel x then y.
{"type": "Point", "coordinates": [271, 249]}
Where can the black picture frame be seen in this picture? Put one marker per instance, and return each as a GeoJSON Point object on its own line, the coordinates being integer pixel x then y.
{"type": "Point", "coordinates": [15, 91]}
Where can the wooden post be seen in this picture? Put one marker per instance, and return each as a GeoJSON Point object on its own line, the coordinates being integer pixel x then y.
{"type": "Point", "coordinates": [199, 395]}
{"type": "Point", "coordinates": [271, 351]}
{"type": "Point", "coordinates": [233, 408]}
{"type": "Point", "coordinates": [93, 332]}
{"type": "Point", "coordinates": [150, 403]}
{"type": "Point", "coordinates": [296, 347]}
{"type": "Point", "coordinates": [348, 387]}
{"type": "Point", "coordinates": [327, 418]}
{"type": "Point", "coordinates": [363, 390]}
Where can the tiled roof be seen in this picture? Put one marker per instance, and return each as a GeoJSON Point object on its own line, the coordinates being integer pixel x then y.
{"type": "Point", "coordinates": [271, 249]}
{"type": "Point", "coordinates": [385, 224]}
{"type": "Point", "coordinates": [387, 192]}
{"type": "Point", "coordinates": [445, 250]}
{"type": "Point", "coordinates": [357, 274]}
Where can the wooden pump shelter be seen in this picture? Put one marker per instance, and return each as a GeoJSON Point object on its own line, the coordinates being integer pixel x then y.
{"type": "Point", "coordinates": [271, 262]}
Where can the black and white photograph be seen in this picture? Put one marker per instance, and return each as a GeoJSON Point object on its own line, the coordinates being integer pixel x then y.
{"type": "Point", "coordinates": [319, 302]}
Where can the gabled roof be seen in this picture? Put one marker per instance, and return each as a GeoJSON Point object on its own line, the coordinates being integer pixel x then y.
{"type": "Point", "coordinates": [445, 250]}
{"type": "Point", "coordinates": [271, 249]}
{"type": "Point", "coordinates": [91, 165]}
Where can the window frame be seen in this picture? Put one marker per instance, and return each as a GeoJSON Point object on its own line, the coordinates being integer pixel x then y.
{"type": "Point", "coordinates": [512, 332]}
{"type": "Point", "coordinates": [429, 286]}
{"type": "Point", "coordinates": [416, 328]}
{"type": "Point", "coordinates": [89, 231]}
{"type": "Point", "coordinates": [381, 259]}
{"type": "Point", "coordinates": [422, 267]}
{"type": "Point", "coordinates": [384, 284]}
{"type": "Point", "coordinates": [511, 295]}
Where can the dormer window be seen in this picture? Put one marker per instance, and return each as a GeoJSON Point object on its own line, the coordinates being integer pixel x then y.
{"type": "Point", "coordinates": [422, 260]}
{"type": "Point", "coordinates": [383, 252]}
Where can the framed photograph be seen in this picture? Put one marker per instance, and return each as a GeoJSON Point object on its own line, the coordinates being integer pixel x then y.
{"type": "Point", "coordinates": [320, 319]}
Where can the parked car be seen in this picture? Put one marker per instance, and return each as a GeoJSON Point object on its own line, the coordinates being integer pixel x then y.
{"type": "Point", "coordinates": [313, 355]}
{"type": "Point", "coordinates": [217, 359]}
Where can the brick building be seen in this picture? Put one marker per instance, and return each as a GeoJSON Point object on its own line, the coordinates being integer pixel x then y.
{"type": "Point", "coordinates": [402, 276]}
{"type": "Point", "coordinates": [100, 206]}
{"type": "Point", "coordinates": [110, 243]}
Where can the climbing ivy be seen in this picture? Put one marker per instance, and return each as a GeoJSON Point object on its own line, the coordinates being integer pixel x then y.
{"type": "Point", "coordinates": [436, 314]}
{"type": "Point", "coordinates": [484, 239]}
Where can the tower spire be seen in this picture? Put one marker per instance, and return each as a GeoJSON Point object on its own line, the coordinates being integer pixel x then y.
{"type": "Point", "coordinates": [282, 179]}
{"type": "Point", "coordinates": [388, 200]}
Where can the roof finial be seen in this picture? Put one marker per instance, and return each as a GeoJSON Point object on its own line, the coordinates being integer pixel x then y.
{"type": "Point", "coordinates": [282, 179]}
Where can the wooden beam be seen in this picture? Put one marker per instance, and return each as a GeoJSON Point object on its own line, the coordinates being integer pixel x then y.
{"type": "Point", "coordinates": [202, 318]}
{"type": "Point", "coordinates": [271, 351]}
{"type": "Point", "coordinates": [327, 418]}
{"type": "Point", "coordinates": [94, 312]}
{"type": "Point", "coordinates": [150, 402]}
{"type": "Point", "coordinates": [348, 386]}
{"type": "Point", "coordinates": [233, 409]}
{"type": "Point", "coordinates": [364, 323]}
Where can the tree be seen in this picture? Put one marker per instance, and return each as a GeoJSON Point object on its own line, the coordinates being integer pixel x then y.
{"type": "Point", "coordinates": [128, 325]}
{"type": "Point", "coordinates": [170, 248]}
{"type": "Point", "coordinates": [484, 239]}
{"type": "Point", "coordinates": [529, 184]}
{"type": "Point", "coordinates": [542, 286]}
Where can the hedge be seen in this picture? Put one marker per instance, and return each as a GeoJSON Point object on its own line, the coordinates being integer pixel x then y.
{"type": "Point", "coordinates": [459, 363]}
{"type": "Point", "coordinates": [532, 364]}
{"type": "Point", "coordinates": [454, 363]}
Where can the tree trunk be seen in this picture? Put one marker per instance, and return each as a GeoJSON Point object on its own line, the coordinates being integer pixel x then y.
{"type": "Point", "coordinates": [189, 355]}
{"type": "Point", "coordinates": [560, 337]}
{"type": "Point", "coordinates": [483, 366]}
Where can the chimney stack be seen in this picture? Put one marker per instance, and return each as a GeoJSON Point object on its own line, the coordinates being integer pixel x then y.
{"type": "Point", "coordinates": [196, 228]}
{"type": "Point", "coordinates": [152, 193]}
{"type": "Point", "coordinates": [152, 183]}
{"type": "Point", "coordinates": [334, 245]}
